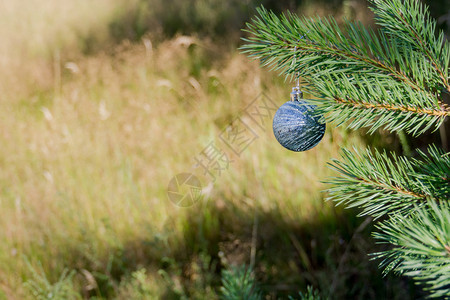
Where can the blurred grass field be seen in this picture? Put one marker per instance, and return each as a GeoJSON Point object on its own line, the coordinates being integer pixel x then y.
{"type": "Point", "coordinates": [101, 104]}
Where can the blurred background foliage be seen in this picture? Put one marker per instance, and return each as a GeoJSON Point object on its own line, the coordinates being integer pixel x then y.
{"type": "Point", "coordinates": [102, 102]}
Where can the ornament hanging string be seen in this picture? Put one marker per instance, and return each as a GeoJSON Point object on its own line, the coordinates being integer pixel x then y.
{"type": "Point", "coordinates": [295, 61]}
{"type": "Point", "coordinates": [296, 94]}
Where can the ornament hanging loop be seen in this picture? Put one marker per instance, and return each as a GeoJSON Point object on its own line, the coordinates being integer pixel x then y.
{"type": "Point", "coordinates": [296, 93]}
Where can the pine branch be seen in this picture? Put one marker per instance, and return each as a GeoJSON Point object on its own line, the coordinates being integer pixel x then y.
{"type": "Point", "coordinates": [421, 246]}
{"type": "Point", "coordinates": [382, 185]}
{"type": "Point", "coordinates": [435, 171]}
{"type": "Point", "coordinates": [358, 48]}
{"type": "Point", "coordinates": [334, 62]}
{"type": "Point", "coordinates": [375, 103]}
{"type": "Point", "coordinates": [410, 21]}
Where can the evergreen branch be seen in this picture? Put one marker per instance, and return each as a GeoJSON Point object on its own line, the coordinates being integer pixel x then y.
{"type": "Point", "coordinates": [333, 64]}
{"type": "Point", "coordinates": [410, 68]}
{"type": "Point", "coordinates": [435, 171]}
{"type": "Point", "coordinates": [321, 39]}
{"type": "Point", "coordinates": [410, 21]}
{"type": "Point", "coordinates": [421, 246]}
{"type": "Point", "coordinates": [375, 103]}
{"type": "Point", "coordinates": [405, 109]}
{"type": "Point", "coordinates": [432, 59]}
{"type": "Point", "coordinates": [381, 185]}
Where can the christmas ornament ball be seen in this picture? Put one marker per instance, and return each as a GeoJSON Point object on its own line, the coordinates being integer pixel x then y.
{"type": "Point", "coordinates": [296, 127]}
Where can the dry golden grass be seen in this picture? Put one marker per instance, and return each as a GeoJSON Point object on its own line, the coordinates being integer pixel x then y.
{"type": "Point", "coordinates": [90, 143]}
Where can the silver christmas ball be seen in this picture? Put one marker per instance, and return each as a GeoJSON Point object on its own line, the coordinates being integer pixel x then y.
{"type": "Point", "coordinates": [296, 127]}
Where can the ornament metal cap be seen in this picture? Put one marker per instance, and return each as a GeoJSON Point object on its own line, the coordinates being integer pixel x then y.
{"type": "Point", "coordinates": [296, 94]}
